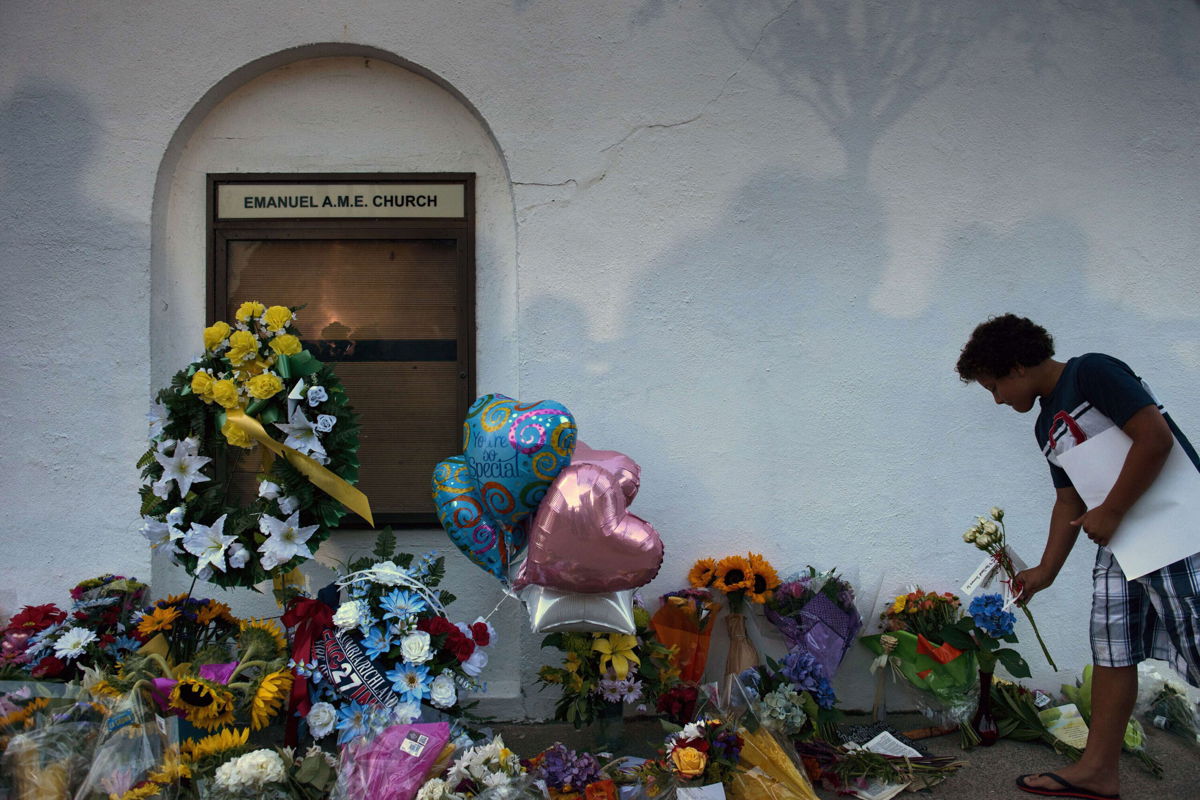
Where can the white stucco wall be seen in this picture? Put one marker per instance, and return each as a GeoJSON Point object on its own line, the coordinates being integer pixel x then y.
{"type": "Point", "coordinates": [742, 241]}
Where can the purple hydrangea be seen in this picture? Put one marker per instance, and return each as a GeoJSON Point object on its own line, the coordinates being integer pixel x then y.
{"type": "Point", "coordinates": [806, 674]}
{"type": "Point", "coordinates": [565, 770]}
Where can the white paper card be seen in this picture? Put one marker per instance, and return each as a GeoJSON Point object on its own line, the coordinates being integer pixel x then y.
{"type": "Point", "coordinates": [981, 577]}
{"type": "Point", "coordinates": [713, 791]}
{"type": "Point", "coordinates": [1160, 529]}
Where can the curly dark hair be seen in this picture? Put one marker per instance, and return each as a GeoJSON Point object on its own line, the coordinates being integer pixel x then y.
{"type": "Point", "coordinates": [1000, 345]}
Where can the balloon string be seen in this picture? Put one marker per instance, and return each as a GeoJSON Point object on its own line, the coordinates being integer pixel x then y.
{"type": "Point", "coordinates": [507, 594]}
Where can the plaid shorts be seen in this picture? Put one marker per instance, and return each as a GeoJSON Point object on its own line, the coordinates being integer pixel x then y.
{"type": "Point", "coordinates": [1154, 616]}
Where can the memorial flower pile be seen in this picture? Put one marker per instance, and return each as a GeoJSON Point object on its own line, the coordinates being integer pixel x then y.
{"type": "Point", "coordinates": [97, 633]}
{"type": "Point", "coordinates": [477, 769]}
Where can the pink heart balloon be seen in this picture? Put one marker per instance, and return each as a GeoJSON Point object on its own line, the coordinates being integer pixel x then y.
{"type": "Point", "coordinates": [623, 468]}
{"type": "Point", "coordinates": [583, 538]}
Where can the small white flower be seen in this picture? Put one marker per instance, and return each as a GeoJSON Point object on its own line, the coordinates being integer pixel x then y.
{"type": "Point", "coordinates": [325, 422]}
{"type": "Point", "coordinates": [997, 513]}
{"type": "Point", "coordinates": [432, 789]}
{"type": "Point", "coordinates": [165, 445]}
{"type": "Point", "coordinates": [175, 516]}
{"type": "Point", "coordinates": [161, 489]}
{"type": "Point", "coordinates": [73, 642]}
{"type": "Point", "coordinates": [348, 615]}
{"type": "Point", "coordinates": [288, 504]}
{"type": "Point", "coordinates": [406, 713]}
{"type": "Point", "coordinates": [970, 535]}
{"type": "Point", "coordinates": [238, 555]}
{"type": "Point", "coordinates": [388, 574]}
{"type": "Point", "coordinates": [268, 490]}
{"type": "Point", "coordinates": [321, 719]}
{"type": "Point", "coordinates": [316, 395]}
{"type": "Point", "coordinates": [442, 692]}
{"type": "Point", "coordinates": [159, 533]}
{"type": "Point", "coordinates": [990, 528]}
{"type": "Point", "coordinates": [415, 647]}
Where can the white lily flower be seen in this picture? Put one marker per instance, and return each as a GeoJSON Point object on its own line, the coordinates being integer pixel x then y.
{"type": "Point", "coordinates": [288, 504]}
{"type": "Point", "coordinates": [208, 543]}
{"type": "Point", "coordinates": [183, 467]}
{"type": "Point", "coordinates": [285, 540]}
{"type": "Point", "coordinates": [159, 533]}
{"type": "Point", "coordinates": [157, 418]}
{"type": "Point", "coordinates": [301, 434]}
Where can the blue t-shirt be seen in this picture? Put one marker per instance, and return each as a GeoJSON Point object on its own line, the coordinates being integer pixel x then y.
{"type": "Point", "coordinates": [1097, 391]}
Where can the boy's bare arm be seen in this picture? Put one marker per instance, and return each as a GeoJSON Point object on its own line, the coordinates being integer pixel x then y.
{"type": "Point", "coordinates": [1152, 442]}
{"type": "Point", "coordinates": [1068, 505]}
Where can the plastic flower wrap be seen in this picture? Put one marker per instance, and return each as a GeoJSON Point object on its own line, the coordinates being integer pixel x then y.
{"type": "Point", "coordinates": [816, 611]}
{"type": "Point", "coordinates": [137, 756]}
{"type": "Point", "coordinates": [684, 622]}
{"type": "Point", "coordinates": [911, 646]}
{"type": "Point", "coordinates": [1166, 704]}
{"type": "Point", "coordinates": [390, 649]}
{"type": "Point", "coordinates": [602, 670]}
{"type": "Point", "coordinates": [253, 388]}
{"type": "Point", "coordinates": [47, 753]}
{"type": "Point", "coordinates": [989, 535]}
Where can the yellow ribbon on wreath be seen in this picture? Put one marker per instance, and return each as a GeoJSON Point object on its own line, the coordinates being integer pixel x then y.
{"type": "Point", "coordinates": [323, 479]}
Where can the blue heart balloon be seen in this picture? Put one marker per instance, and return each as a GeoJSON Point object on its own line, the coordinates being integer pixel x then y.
{"type": "Point", "coordinates": [512, 451]}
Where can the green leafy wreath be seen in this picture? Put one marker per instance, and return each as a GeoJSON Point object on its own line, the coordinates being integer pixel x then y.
{"type": "Point", "coordinates": [254, 386]}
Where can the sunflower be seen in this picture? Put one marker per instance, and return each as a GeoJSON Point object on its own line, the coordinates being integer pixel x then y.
{"type": "Point", "coordinates": [269, 699]}
{"type": "Point", "coordinates": [764, 578]}
{"type": "Point", "coordinates": [143, 791]}
{"type": "Point", "coordinates": [205, 704]}
{"type": "Point", "coordinates": [228, 739]}
{"type": "Point", "coordinates": [702, 573]}
{"type": "Point", "coordinates": [103, 688]}
{"type": "Point", "coordinates": [158, 619]}
{"type": "Point", "coordinates": [264, 637]}
{"type": "Point", "coordinates": [733, 574]}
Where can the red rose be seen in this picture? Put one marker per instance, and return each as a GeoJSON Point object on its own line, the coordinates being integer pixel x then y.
{"type": "Point", "coordinates": [32, 619]}
{"type": "Point", "coordinates": [436, 626]}
{"type": "Point", "coordinates": [481, 634]}
{"type": "Point", "coordinates": [460, 646]}
{"type": "Point", "coordinates": [49, 667]}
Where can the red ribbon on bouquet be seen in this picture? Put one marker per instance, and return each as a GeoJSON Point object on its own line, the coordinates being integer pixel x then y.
{"type": "Point", "coordinates": [943, 654]}
{"type": "Point", "coordinates": [310, 618]}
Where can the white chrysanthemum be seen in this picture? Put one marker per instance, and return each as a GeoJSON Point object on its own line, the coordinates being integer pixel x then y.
{"type": "Point", "coordinates": [251, 771]}
{"type": "Point", "coordinates": [433, 789]}
{"type": "Point", "coordinates": [73, 642]}
{"type": "Point", "coordinates": [348, 614]}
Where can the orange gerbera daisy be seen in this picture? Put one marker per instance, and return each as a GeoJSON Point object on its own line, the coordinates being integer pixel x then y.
{"type": "Point", "coordinates": [733, 574]}
{"type": "Point", "coordinates": [765, 579]}
{"type": "Point", "coordinates": [214, 610]}
{"type": "Point", "coordinates": [702, 573]}
{"type": "Point", "coordinates": [158, 619]}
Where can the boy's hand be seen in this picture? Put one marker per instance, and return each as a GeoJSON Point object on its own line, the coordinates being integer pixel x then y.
{"type": "Point", "coordinates": [1029, 582]}
{"type": "Point", "coordinates": [1099, 524]}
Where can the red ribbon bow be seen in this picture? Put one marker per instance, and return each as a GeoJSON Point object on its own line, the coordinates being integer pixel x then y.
{"type": "Point", "coordinates": [310, 618]}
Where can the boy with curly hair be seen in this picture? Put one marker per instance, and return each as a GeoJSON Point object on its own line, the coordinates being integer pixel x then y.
{"type": "Point", "coordinates": [1154, 616]}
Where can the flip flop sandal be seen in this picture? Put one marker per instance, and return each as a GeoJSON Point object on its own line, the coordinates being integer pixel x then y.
{"type": "Point", "coordinates": [1068, 789]}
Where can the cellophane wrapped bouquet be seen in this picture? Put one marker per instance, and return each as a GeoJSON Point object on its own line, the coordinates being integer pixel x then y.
{"type": "Point", "coordinates": [816, 612]}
